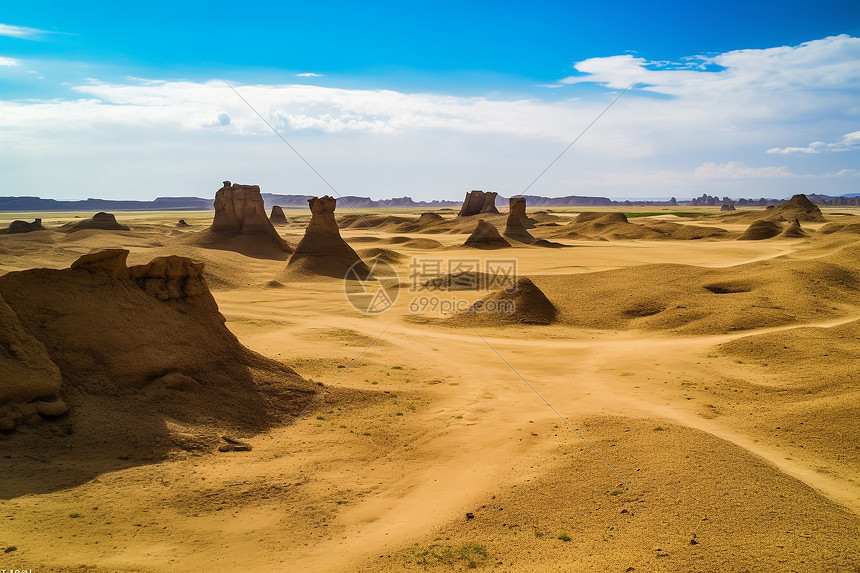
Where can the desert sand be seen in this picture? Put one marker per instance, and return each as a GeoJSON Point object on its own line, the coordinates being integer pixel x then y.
{"type": "Point", "coordinates": [667, 397]}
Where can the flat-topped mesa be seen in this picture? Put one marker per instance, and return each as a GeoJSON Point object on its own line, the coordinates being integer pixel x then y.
{"type": "Point", "coordinates": [479, 202]}
{"type": "Point", "coordinates": [322, 251]}
{"type": "Point", "coordinates": [277, 216]}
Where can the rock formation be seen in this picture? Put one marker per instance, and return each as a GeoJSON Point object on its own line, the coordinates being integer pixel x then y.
{"type": "Point", "coordinates": [518, 223]}
{"type": "Point", "coordinates": [486, 236]}
{"type": "Point", "coordinates": [798, 207]}
{"type": "Point", "coordinates": [479, 202]}
{"type": "Point", "coordinates": [758, 230]}
{"type": "Point", "coordinates": [182, 223]}
{"type": "Point", "coordinates": [239, 210]}
{"type": "Point", "coordinates": [133, 345]}
{"type": "Point", "coordinates": [240, 224]}
{"type": "Point", "coordinates": [24, 227]}
{"type": "Point", "coordinates": [525, 303]}
{"type": "Point", "coordinates": [727, 206]}
{"type": "Point", "coordinates": [101, 220]}
{"type": "Point", "coordinates": [793, 231]}
{"type": "Point", "coordinates": [30, 381]}
{"type": "Point", "coordinates": [111, 261]}
{"type": "Point", "coordinates": [277, 216]}
{"type": "Point", "coordinates": [322, 251]}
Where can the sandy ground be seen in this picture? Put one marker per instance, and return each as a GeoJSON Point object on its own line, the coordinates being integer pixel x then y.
{"type": "Point", "coordinates": [443, 447]}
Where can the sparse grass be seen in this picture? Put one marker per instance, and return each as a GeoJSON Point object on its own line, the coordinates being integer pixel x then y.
{"type": "Point", "coordinates": [397, 367]}
{"type": "Point", "coordinates": [616, 492]}
{"type": "Point", "coordinates": [472, 555]}
{"type": "Point", "coordinates": [320, 418]}
{"type": "Point", "coordinates": [564, 536]}
{"type": "Point", "coordinates": [399, 414]}
{"type": "Point", "coordinates": [75, 515]}
{"type": "Point", "coordinates": [411, 407]}
{"type": "Point", "coordinates": [343, 426]}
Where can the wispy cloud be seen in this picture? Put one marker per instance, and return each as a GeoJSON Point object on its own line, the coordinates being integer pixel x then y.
{"type": "Point", "coordinates": [309, 75]}
{"type": "Point", "coordinates": [849, 141]}
{"type": "Point", "coordinates": [22, 32]}
{"type": "Point", "coordinates": [700, 124]}
{"type": "Point", "coordinates": [8, 61]}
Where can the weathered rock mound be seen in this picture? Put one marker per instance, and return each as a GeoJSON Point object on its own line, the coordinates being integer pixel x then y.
{"type": "Point", "coordinates": [322, 251]}
{"type": "Point", "coordinates": [525, 303]}
{"type": "Point", "coordinates": [277, 216]}
{"type": "Point", "coordinates": [30, 381]}
{"type": "Point", "coordinates": [101, 220]}
{"type": "Point", "coordinates": [486, 236]}
{"type": "Point", "coordinates": [479, 202]}
{"type": "Point", "coordinates": [147, 342]}
{"type": "Point", "coordinates": [18, 226]}
{"type": "Point", "coordinates": [799, 207]}
{"type": "Point", "coordinates": [794, 231]}
{"type": "Point", "coordinates": [759, 230]}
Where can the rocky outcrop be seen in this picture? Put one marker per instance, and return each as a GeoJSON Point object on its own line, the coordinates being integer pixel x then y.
{"type": "Point", "coordinates": [322, 251]}
{"type": "Point", "coordinates": [239, 210]}
{"type": "Point", "coordinates": [182, 223]}
{"type": "Point", "coordinates": [794, 231]}
{"type": "Point", "coordinates": [727, 206]}
{"type": "Point", "coordinates": [277, 216]}
{"type": "Point", "coordinates": [24, 227]}
{"type": "Point", "coordinates": [799, 207]}
{"type": "Point", "coordinates": [518, 223]}
{"type": "Point", "coordinates": [760, 230]}
{"type": "Point", "coordinates": [486, 236]}
{"type": "Point", "coordinates": [524, 303]}
{"type": "Point", "coordinates": [101, 220]}
{"type": "Point", "coordinates": [111, 261]}
{"type": "Point", "coordinates": [478, 203]}
{"type": "Point", "coordinates": [30, 381]}
{"type": "Point", "coordinates": [174, 278]}
{"type": "Point", "coordinates": [135, 345]}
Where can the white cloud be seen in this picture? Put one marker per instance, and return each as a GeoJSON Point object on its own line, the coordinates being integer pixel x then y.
{"type": "Point", "coordinates": [848, 142]}
{"type": "Point", "coordinates": [701, 124]}
{"type": "Point", "coordinates": [309, 75]}
{"type": "Point", "coordinates": [738, 170]}
{"type": "Point", "coordinates": [844, 173]}
{"type": "Point", "coordinates": [4, 61]}
{"type": "Point", "coordinates": [21, 32]}
{"type": "Point", "coordinates": [820, 64]}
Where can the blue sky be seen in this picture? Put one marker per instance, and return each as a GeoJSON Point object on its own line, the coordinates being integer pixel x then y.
{"type": "Point", "coordinates": [429, 99]}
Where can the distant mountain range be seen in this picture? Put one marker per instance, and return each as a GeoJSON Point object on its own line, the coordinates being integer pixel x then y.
{"type": "Point", "coordinates": [197, 203]}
